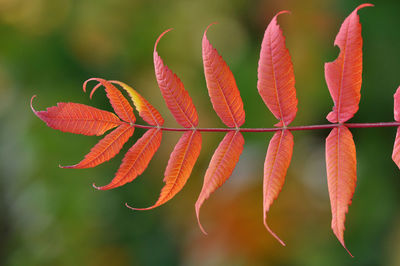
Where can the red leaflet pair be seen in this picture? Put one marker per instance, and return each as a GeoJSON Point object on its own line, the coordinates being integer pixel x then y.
{"type": "Point", "coordinates": [276, 87]}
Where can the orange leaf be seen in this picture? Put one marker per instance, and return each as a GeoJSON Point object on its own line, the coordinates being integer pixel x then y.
{"type": "Point", "coordinates": [277, 162]}
{"type": "Point", "coordinates": [275, 75]}
{"type": "Point", "coordinates": [344, 75]}
{"type": "Point", "coordinates": [121, 106]}
{"type": "Point", "coordinates": [221, 84]}
{"type": "Point", "coordinates": [221, 166]}
{"type": "Point", "coordinates": [176, 97]}
{"type": "Point", "coordinates": [342, 176]}
{"type": "Point", "coordinates": [146, 111]}
{"type": "Point", "coordinates": [396, 148]}
{"type": "Point", "coordinates": [136, 159]}
{"type": "Point", "coordinates": [107, 148]}
{"type": "Point", "coordinates": [180, 166]}
{"type": "Point", "coordinates": [78, 118]}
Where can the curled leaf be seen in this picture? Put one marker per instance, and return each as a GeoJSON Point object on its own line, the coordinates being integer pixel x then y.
{"type": "Point", "coordinates": [341, 172]}
{"type": "Point", "coordinates": [146, 111]}
{"type": "Point", "coordinates": [78, 118]}
{"type": "Point", "coordinates": [176, 97]}
{"type": "Point", "coordinates": [222, 88]}
{"type": "Point", "coordinates": [136, 159]}
{"type": "Point", "coordinates": [107, 148]}
{"type": "Point", "coordinates": [277, 162]}
{"type": "Point", "coordinates": [221, 166]}
{"type": "Point", "coordinates": [180, 166]}
{"type": "Point", "coordinates": [344, 75]}
{"type": "Point", "coordinates": [120, 105]}
{"type": "Point", "coordinates": [275, 75]}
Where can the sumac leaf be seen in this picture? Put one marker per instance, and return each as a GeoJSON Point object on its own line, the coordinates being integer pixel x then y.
{"type": "Point", "coordinates": [106, 148]}
{"type": "Point", "coordinates": [275, 75]}
{"type": "Point", "coordinates": [222, 88]}
{"type": "Point", "coordinates": [277, 162]}
{"type": "Point", "coordinates": [120, 105]}
{"type": "Point", "coordinates": [146, 111]}
{"type": "Point", "coordinates": [78, 118]}
{"type": "Point", "coordinates": [136, 159]}
{"type": "Point", "coordinates": [342, 176]}
{"type": "Point", "coordinates": [396, 148]}
{"type": "Point", "coordinates": [344, 75]}
{"type": "Point", "coordinates": [176, 97]}
{"type": "Point", "coordinates": [180, 166]}
{"type": "Point", "coordinates": [221, 166]}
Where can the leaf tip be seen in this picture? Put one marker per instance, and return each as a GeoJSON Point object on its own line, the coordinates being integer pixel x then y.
{"type": "Point", "coordinates": [272, 233]}
{"type": "Point", "coordinates": [33, 109]}
{"type": "Point", "coordinates": [159, 38]}
{"type": "Point", "coordinates": [205, 32]}
{"type": "Point", "coordinates": [197, 207]}
{"type": "Point", "coordinates": [96, 187]}
{"type": "Point", "coordinates": [283, 12]}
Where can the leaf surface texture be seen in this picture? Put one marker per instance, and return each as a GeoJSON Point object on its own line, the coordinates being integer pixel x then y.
{"type": "Point", "coordinates": [275, 75]}
{"type": "Point", "coordinates": [342, 176]}
{"type": "Point", "coordinates": [222, 88]}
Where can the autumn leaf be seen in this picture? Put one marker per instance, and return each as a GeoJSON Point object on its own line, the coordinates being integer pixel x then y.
{"type": "Point", "coordinates": [221, 166]}
{"type": "Point", "coordinates": [146, 111]}
{"type": "Point", "coordinates": [222, 88]}
{"type": "Point", "coordinates": [120, 105]}
{"type": "Point", "coordinates": [277, 162]}
{"type": "Point", "coordinates": [180, 165]}
{"type": "Point", "coordinates": [136, 159]}
{"type": "Point", "coordinates": [396, 148]}
{"type": "Point", "coordinates": [107, 148]}
{"type": "Point", "coordinates": [342, 176]}
{"type": "Point", "coordinates": [78, 118]}
{"type": "Point", "coordinates": [176, 97]}
{"type": "Point", "coordinates": [275, 75]}
{"type": "Point", "coordinates": [344, 75]}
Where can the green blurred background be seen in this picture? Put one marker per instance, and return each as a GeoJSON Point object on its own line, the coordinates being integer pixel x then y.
{"type": "Point", "coordinates": [53, 216]}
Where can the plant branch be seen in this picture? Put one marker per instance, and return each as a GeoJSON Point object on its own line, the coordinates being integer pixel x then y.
{"type": "Point", "coordinates": [294, 128]}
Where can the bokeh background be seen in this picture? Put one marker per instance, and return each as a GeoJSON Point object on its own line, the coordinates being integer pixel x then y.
{"type": "Point", "coordinates": [53, 216]}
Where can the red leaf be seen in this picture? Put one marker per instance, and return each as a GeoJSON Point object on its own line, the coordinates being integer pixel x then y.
{"type": "Point", "coordinates": [342, 176]}
{"type": "Point", "coordinates": [146, 111]}
{"type": "Point", "coordinates": [344, 75]}
{"type": "Point", "coordinates": [179, 167]}
{"type": "Point", "coordinates": [277, 162]}
{"type": "Point", "coordinates": [397, 105]}
{"type": "Point", "coordinates": [396, 148]}
{"type": "Point", "coordinates": [221, 166]}
{"type": "Point", "coordinates": [107, 148]}
{"type": "Point", "coordinates": [221, 84]}
{"type": "Point", "coordinates": [275, 75]}
{"type": "Point", "coordinates": [176, 97]}
{"type": "Point", "coordinates": [136, 159]}
{"type": "Point", "coordinates": [121, 106]}
{"type": "Point", "coordinates": [78, 118]}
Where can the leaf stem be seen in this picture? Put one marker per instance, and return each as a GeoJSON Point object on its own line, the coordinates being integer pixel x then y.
{"type": "Point", "coordinates": [294, 128]}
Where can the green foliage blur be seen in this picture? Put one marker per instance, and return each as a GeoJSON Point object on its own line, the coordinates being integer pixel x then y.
{"type": "Point", "coordinates": [53, 216]}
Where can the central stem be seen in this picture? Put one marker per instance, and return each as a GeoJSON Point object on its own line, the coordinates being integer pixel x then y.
{"type": "Point", "coordinates": [295, 128]}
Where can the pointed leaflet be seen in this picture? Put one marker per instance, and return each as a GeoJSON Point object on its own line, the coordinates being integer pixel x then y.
{"type": "Point", "coordinates": [146, 111]}
{"type": "Point", "coordinates": [179, 167]}
{"type": "Point", "coordinates": [275, 75]}
{"type": "Point", "coordinates": [221, 84]}
{"type": "Point", "coordinates": [121, 106]}
{"type": "Point", "coordinates": [277, 162]}
{"type": "Point", "coordinates": [343, 76]}
{"type": "Point", "coordinates": [107, 148]}
{"type": "Point", "coordinates": [176, 97]}
{"type": "Point", "coordinates": [342, 177]}
{"type": "Point", "coordinates": [77, 118]}
{"type": "Point", "coordinates": [221, 166]}
{"type": "Point", "coordinates": [396, 148]}
{"type": "Point", "coordinates": [136, 159]}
